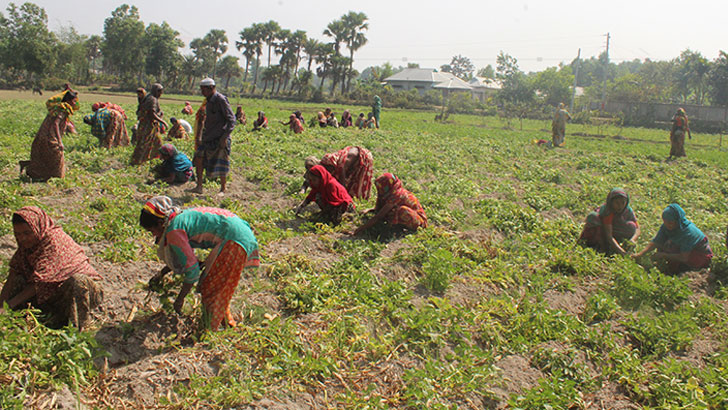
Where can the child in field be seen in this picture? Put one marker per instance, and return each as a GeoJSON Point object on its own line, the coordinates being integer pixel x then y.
{"type": "Point", "coordinates": [610, 224]}
{"type": "Point", "coordinates": [328, 193]}
{"type": "Point", "coordinates": [345, 119]}
{"type": "Point", "coordinates": [332, 121]}
{"type": "Point", "coordinates": [396, 207]}
{"type": "Point", "coordinates": [240, 115]}
{"type": "Point", "coordinates": [361, 122]}
{"type": "Point", "coordinates": [679, 242]}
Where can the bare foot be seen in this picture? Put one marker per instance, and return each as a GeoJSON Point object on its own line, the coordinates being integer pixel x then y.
{"type": "Point", "coordinates": [220, 194]}
{"type": "Point", "coordinates": [196, 190]}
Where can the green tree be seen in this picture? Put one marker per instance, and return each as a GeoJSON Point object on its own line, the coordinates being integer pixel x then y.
{"type": "Point", "coordinates": [718, 80]}
{"type": "Point", "coordinates": [93, 50]}
{"type": "Point", "coordinates": [71, 61]}
{"type": "Point", "coordinates": [487, 72]}
{"type": "Point", "coordinates": [229, 68]}
{"type": "Point", "coordinates": [461, 67]}
{"type": "Point", "coordinates": [251, 44]}
{"type": "Point", "coordinates": [217, 42]}
{"type": "Point", "coordinates": [123, 46]}
{"type": "Point", "coordinates": [162, 45]}
{"type": "Point", "coordinates": [337, 31]}
{"type": "Point", "coordinates": [692, 76]}
{"type": "Point", "coordinates": [26, 45]}
{"type": "Point", "coordinates": [517, 87]}
{"type": "Point", "coordinates": [310, 48]}
{"type": "Point", "coordinates": [554, 85]}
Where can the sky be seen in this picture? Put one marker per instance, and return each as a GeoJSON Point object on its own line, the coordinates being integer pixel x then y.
{"type": "Point", "coordinates": [539, 34]}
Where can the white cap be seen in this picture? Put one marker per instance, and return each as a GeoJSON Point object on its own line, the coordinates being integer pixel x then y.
{"type": "Point", "coordinates": [207, 82]}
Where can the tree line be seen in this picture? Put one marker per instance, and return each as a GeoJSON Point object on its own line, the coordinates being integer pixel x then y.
{"type": "Point", "coordinates": [290, 62]}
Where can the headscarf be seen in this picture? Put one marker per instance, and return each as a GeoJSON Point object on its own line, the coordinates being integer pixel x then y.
{"type": "Point", "coordinates": [54, 259]}
{"type": "Point", "coordinates": [156, 87]}
{"type": "Point", "coordinates": [177, 161]}
{"type": "Point", "coordinates": [311, 161]}
{"type": "Point", "coordinates": [55, 104]}
{"type": "Point", "coordinates": [606, 209]}
{"type": "Point", "coordinates": [161, 207]}
{"type": "Point", "coordinates": [377, 102]}
{"type": "Point", "coordinates": [686, 235]}
{"type": "Point", "coordinates": [390, 190]}
{"type": "Point", "coordinates": [332, 192]}
{"type": "Point", "coordinates": [95, 107]}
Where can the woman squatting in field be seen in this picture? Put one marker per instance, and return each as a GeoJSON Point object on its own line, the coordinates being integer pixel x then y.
{"type": "Point", "coordinates": [612, 223]}
{"type": "Point", "coordinates": [679, 242]}
{"type": "Point", "coordinates": [396, 207]}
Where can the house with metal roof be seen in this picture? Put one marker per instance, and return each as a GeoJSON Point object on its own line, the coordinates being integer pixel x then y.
{"type": "Point", "coordinates": [424, 79]}
{"type": "Point", "coordinates": [484, 87]}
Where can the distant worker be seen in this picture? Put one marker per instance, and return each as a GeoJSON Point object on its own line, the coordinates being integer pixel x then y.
{"type": "Point", "coordinates": [46, 153]}
{"type": "Point", "coordinates": [177, 130]}
{"type": "Point", "coordinates": [558, 125]}
{"type": "Point", "coordinates": [149, 130]}
{"type": "Point", "coordinates": [377, 110]}
{"type": "Point", "coordinates": [680, 126]}
{"type": "Point", "coordinates": [240, 115]}
{"type": "Point", "coordinates": [260, 122]}
{"type": "Point", "coordinates": [213, 153]}
{"type": "Point", "coordinates": [108, 126]}
{"type": "Point", "coordinates": [294, 123]}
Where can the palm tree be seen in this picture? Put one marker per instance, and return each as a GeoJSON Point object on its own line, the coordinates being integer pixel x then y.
{"type": "Point", "coordinates": [269, 33]}
{"type": "Point", "coordinates": [355, 23]}
{"type": "Point", "coordinates": [217, 41]}
{"type": "Point", "coordinates": [190, 67]}
{"type": "Point", "coordinates": [250, 44]}
{"type": "Point", "coordinates": [324, 54]}
{"type": "Point", "coordinates": [310, 47]}
{"type": "Point", "coordinates": [338, 31]}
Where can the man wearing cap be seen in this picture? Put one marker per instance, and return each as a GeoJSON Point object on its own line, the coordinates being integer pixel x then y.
{"type": "Point", "coordinates": [213, 149]}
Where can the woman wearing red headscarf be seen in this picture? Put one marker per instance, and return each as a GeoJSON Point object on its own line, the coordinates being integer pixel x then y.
{"type": "Point", "coordinates": [49, 271]}
{"type": "Point", "coordinates": [396, 206]}
{"type": "Point", "coordinates": [328, 193]}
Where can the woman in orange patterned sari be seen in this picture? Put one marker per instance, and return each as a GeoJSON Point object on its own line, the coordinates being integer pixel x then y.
{"type": "Point", "coordinates": [200, 117]}
{"type": "Point", "coordinates": [46, 153]}
{"type": "Point", "coordinates": [353, 168]}
{"type": "Point", "coordinates": [148, 134]}
{"type": "Point", "coordinates": [396, 206]}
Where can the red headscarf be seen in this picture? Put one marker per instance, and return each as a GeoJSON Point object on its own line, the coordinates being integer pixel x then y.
{"type": "Point", "coordinates": [54, 259]}
{"type": "Point", "coordinates": [332, 192]}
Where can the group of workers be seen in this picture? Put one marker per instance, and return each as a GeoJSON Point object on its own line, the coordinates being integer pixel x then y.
{"type": "Point", "coordinates": [51, 272]}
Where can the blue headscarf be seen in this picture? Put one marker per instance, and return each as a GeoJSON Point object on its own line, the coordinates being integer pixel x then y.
{"type": "Point", "coordinates": [177, 161]}
{"type": "Point", "coordinates": [686, 235]}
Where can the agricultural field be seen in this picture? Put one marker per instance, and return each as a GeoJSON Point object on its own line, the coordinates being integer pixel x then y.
{"type": "Point", "coordinates": [494, 305]}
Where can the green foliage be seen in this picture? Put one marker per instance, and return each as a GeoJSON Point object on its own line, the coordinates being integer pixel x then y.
{"type": "Point", "coordinates": [34, 357]}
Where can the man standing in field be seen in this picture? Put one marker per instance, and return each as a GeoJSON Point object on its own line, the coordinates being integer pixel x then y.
{"type": "Point", "coordinates": [213, 147]}
{"type": "Point", "coordinates": [558, 125]}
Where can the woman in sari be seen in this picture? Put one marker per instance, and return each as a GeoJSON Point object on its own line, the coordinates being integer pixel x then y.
{"type": "Point", "coordinates": [321, 119]}
{"type": "Point", "coordinates": [294, 124]}
{"type": "Point", "coordinates": [345, 119]}
{"type": "Point", "coordinates": [46, 153]}
{"type": "Point", "coordinates": [177, 130]}
{"type": "Point", "coordinates": [49, 271]}
{"type": "Point", "coordinates": [200, 117]}
{"type": "Point", "coordinates": [353, 168]}
{"type": "Point", "coordinates": [610, 224]}
{"type": "Point", "coordinates": [680, 126]}
{"type": "Point", "coordinates": [187, 109]}
{"type": "Point", "coordinates": [149, 130]}
{"type": "Point", "coordinates": [233, 248]}
{"type": "Point", "coordinates": [108, 126]}
{"type": "Point", "coordinates": [176, 167]}
{"type": "Point", "coordinates": [396, 207]}
{"type": "Point", "coordinates": [679, 242]}
{"type": "Point", "coordinates": [240, 115]}
{"type": "Point", "coordinates": [328, 193]}
{"type": "Point", "coordinates": [260, 122]}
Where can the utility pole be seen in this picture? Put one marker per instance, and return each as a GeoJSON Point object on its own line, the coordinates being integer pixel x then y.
{"type": "Point", "coordinates": [576, 75]}
{"type": "Point", "coordinates": [604, 78]}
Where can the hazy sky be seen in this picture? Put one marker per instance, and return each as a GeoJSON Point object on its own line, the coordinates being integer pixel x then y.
{"type": "Point", "coordinates": [539, 34]}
